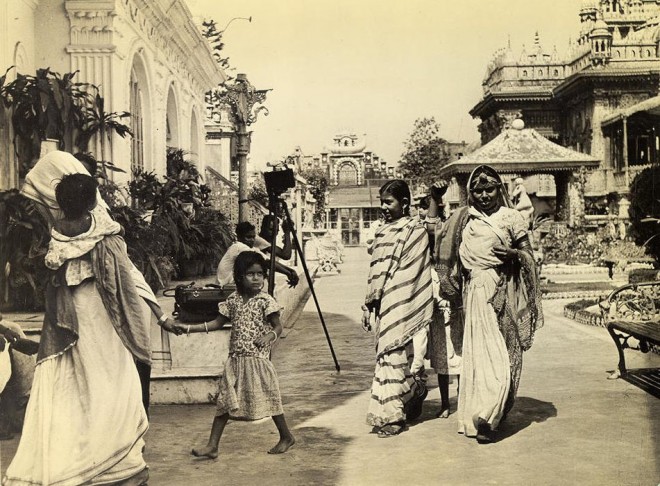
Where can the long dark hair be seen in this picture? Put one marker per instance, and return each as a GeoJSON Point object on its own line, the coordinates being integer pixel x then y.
{"type": "Point", "coordinates": [399, 190]}
{"type": "Point", "coordinates": [243, 262]}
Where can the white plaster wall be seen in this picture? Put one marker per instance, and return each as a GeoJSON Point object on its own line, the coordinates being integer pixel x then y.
{"type": "Point", "coordinates": [44, 30]}
{"type": "Point", "coordinates": [217, 155]}
{"type": "Point", "coordinates": [51, 36]}
{"type": "Point", "coordinates": [17, 27]}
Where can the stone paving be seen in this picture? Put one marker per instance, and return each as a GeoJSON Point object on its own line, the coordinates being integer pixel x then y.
{"type": "Point", "coordinates": [570, 424]}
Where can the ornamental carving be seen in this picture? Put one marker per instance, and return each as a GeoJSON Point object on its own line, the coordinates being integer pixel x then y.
{"type": "Point", "coordinates": [90, 22]}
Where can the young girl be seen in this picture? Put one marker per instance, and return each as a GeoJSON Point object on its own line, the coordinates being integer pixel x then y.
{"type": "Point", "coordinates": [401, 297]}
{"type": "Point", "coordinates": [249, 388]}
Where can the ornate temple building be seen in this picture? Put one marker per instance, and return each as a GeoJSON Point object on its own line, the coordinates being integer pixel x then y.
{"type": "Point", "coordinates": [148, 58]}
{"type": "Point", "coordinates": [355, 173]}
{"type": "Point", "coordinates": [601, 98]}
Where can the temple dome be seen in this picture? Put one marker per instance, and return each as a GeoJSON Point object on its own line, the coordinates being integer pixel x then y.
{"type": "Point", "coordinates": [600, 29]}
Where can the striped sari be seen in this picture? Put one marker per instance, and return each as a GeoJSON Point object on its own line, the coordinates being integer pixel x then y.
{"type": "Point", "coordinates": [401, 294]}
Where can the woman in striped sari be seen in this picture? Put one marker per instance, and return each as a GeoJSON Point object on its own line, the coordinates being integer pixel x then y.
{"type": "Point", "coordinates": [400, 296]}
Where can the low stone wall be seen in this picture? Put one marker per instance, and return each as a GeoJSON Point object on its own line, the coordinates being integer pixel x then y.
{"type": "Point", "coordinates": [585, 313]}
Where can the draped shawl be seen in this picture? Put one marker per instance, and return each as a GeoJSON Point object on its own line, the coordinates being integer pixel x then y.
{"type": "Point", "coordinates": [447, 262]}
{"type": "Point", "coordinates": [39, 185]}
{"type": "Point", "coordinates": [112, 271]}
{"type": "Point", "coordinates": [517, 300]}
{"type": "Point", "coordinates": [399, 284]}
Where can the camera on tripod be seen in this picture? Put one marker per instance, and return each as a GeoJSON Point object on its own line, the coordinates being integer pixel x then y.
{"type": "Point", "coordinates": [279, 181]}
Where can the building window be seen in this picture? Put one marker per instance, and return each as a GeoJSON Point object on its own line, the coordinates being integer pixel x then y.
{"type": "Point", "coordinates": [370, 216]}
{"type": "Point", "coordinates": [137, 141]}
{"type": "Point", "coordinates": [333, 216]}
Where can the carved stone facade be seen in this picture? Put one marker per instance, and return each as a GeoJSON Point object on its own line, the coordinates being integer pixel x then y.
{"type": "Point", "coordinates": [613, 65]}
{"type": "Point", "coordinates": [147, 57]}
{"type": "Point", "coordinates": [347, 161]}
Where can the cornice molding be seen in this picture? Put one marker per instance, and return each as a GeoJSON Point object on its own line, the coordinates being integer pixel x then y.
{"type": "Point", "coordinates": [172, 32]}
{"type": "Point", "coordinates": [90, 22]}
{"type": "Point", "coordinates": [91, 49]}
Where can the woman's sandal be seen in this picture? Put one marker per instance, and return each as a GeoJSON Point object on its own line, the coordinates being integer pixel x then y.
{"type": "Point", "coordinates": [390, 430]}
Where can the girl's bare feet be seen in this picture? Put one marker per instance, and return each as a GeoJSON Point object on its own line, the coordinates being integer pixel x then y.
{"type": "Point", "coordinates": [207, 452]}
{"type": "Point", "coordinates": [283, 445]}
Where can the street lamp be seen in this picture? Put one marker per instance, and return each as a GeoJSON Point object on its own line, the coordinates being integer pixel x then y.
{"type": "Point", "coordinates": [245, 103]}
{"type": "Point", "coordinates": [249, 19]}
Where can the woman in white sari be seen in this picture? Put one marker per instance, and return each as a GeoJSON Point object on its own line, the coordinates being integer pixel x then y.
{"type": "Point", "coordinates": [486, 269]}
{"type": "Point", "coordinates": [85, 420]}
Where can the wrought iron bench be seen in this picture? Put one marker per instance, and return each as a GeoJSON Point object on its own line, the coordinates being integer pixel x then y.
{"type": "Point", "coordinates": [633, 311]}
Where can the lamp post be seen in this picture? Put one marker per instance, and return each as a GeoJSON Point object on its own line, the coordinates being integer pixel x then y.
{"type": "Point", "coordinates": [245, 103]}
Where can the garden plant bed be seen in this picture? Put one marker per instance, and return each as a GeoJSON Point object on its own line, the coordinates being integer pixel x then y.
{"type": "Point", "coordinates": [563, 290]}
{"type": "Point", "coordinates": [584, 311]}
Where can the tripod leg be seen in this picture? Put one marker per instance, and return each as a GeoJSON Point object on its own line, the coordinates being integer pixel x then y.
{"type": "Point", "coordinates": [272, 203]}
{"type": "Point", "coordinates": [310, 282]}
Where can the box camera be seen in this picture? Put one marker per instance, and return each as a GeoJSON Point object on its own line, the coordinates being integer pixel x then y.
{"type": "Point", "coordinates": [279, 181]}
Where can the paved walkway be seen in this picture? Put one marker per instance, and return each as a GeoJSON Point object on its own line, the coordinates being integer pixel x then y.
{"type": "Point", "coordinates": [570, 424]}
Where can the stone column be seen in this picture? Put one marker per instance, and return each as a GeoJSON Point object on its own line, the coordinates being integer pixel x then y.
{"type": "Point", "coordinates": [562, 204]}
{"type": "Point", "coordinates": [462, 180]}
{"type": "Point", "coordinates": [92, 50]}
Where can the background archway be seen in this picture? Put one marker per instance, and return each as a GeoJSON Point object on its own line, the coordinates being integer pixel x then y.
{"type": "Point", "coordinates": [172, 138]}
{"type": "Point", "coordinates": [140, 110]}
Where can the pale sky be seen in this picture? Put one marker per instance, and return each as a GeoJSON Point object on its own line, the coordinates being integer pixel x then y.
{"type": "Point", "coordinates": [374, 66]}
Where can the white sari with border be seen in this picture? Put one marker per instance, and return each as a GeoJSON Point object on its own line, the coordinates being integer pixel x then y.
{"type": "Point", "coordinates": [486, 373]}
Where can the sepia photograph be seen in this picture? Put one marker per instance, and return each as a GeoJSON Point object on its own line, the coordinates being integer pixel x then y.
{"type": "Point", "coordinates": [329, 242]}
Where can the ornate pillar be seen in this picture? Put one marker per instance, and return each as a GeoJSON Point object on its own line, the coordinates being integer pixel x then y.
{"type": "Point", "coordinates": [625, 152]}
{"type": "Point", "coordinates": [462, 180]}
{"type": "Point", "coordinates": [92, 47]}
{"type": "Point", "coordinates": [242, 99]}
{"type": "Point", "coordinates": [562, 209]}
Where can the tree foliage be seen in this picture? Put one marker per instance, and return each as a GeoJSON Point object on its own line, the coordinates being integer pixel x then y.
{"type": "Point", "coordinates": [257, 191]}
{"type": "Point", "coordinates": [645, 210]}
{"type": "Point", "coordinates": [425, 152]}
{"type": "Point", "coordinates": [317, 181]}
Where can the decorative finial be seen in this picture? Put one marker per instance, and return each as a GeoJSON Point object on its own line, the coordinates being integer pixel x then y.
{"type": "Point", "coordinates": [518, 124]}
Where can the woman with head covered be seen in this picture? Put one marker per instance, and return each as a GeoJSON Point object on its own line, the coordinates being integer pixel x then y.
{"type": "Point", "coordinates": [86, 418]}
{"type": "Point", "coordinates": [487, 273]}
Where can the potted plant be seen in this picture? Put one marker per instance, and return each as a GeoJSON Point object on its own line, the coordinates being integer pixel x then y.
{"type": "Point", "coordinates": [147, 249]}
{"type": "Point", "coordinates": [191, 225]}
{"type": "Point", "coordinates": [97, 122]}
{"type": "Point", "coordinates": [217, 232]}
{"type": "Point", "coordinates": [145, 191]}
{"type": "Point", "coordinates": [24, 239]}
{"type": "Point", "coordinates": [44, 106]}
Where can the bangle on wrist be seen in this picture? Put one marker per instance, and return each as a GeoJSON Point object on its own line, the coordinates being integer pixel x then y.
{"type": "Point", "coordinates": [274, 334]}
{"type": "Point", "coordinates": [206, 326]}
{"type": "Point", "coordinates": [163, 319]}
{"type": "Point", "coordinates": [188, 330]}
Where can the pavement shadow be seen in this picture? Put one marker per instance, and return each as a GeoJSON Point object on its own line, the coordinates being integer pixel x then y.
{"type": "Point", "coordinates": [525, 412]}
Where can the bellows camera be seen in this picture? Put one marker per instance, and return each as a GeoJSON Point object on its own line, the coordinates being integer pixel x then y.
{"type": "Point", "coordinates": [278, 181]}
